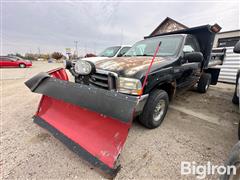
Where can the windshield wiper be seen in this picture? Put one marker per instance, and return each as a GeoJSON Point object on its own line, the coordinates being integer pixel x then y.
{"type": "Point", "coordinates": [144, 55]}
{"type": "Point", "coordinates": [138, 55]}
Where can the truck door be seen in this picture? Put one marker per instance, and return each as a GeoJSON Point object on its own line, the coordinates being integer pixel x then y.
{"type": "Point", "coordinates": [190, 70]}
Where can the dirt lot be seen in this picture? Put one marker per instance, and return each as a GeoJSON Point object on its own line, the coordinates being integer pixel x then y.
{"type": "Point", "coordinates": [198, 127]}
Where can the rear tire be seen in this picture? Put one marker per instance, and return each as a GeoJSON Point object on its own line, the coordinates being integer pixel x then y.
{"type": "Point", "coordinates": [155, 109]}
{"type": "Point", "coordinates": [22, 65]}
{"type": "Point", "coordinates": [235, 98]}
{"type": "Point", "coordinates": [204, 83]}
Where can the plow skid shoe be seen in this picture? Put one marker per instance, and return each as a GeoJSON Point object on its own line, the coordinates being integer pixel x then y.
{"type": "Point", "coordinates": [92, 122]}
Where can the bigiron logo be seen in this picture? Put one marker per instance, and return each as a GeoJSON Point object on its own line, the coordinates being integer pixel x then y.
{"type": "Point", "coordinates": [201, 171]}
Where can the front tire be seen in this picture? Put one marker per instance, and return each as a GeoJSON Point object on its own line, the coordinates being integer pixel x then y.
{"type": "Point", "coordinates": [22, 65]}
{"type": "Point", "coordinates": [155, 109]}
{"type": "Point", "coordinates": [204, 82]}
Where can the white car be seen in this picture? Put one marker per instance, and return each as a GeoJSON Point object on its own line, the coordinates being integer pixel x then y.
{"type": "Point", "coordinates": [110, 52]}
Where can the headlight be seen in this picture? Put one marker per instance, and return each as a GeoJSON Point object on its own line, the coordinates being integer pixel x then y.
{"type": "Point", "coordinates": [129, 86]}
{"type": "Point", "coordinates": [83, 67]}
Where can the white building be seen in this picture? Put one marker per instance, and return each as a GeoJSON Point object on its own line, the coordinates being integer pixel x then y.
{"type": "Point", "coordinates": [231, 62]}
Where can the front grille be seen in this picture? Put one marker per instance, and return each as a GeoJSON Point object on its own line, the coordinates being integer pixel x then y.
{"type": "Point", "coordinates": [104, 80]}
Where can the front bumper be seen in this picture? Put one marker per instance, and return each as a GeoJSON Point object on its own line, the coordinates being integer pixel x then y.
{"type": "Point", "coordinates": [141, 103]}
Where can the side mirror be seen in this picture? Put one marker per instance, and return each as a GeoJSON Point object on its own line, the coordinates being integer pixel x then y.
{"type": "Point", "coordinates": [193, 57]}
{"type": "Point", "coordinates": [237, 47]}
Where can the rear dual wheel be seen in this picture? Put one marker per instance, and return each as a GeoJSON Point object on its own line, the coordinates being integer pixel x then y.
{"type": "Point", "coordinates": [155, 109]}
{"type": "Point", "coordinates": [236, 94]}
{"type": "Point", "coordinates": [204, 82]}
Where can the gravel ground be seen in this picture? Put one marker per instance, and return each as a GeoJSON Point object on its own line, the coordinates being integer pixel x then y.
{"type": "Point", "coordinates": [198, 127]}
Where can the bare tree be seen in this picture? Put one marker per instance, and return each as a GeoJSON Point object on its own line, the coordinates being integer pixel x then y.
{"type": "Point", "coordinates": [57, 55]}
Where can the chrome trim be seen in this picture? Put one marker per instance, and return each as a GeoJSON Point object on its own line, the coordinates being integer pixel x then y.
{"type": "Point", "coordinates": [141, 103]}
{"type": "Point", "coordinates": [106, 72]}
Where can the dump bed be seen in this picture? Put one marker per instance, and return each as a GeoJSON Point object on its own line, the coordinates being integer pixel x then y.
{"type": "Point", "coordinates": [205, 36]}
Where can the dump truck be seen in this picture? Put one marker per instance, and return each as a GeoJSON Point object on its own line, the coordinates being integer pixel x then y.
{"type": "Point", "coordinates": [93, 114]}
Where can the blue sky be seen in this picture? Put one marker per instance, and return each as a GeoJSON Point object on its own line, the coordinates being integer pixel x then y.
{"type": "Point", "coordinates": [53, 26]}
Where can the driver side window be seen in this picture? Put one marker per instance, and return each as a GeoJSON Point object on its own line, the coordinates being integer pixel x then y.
{"type": "Point", "coordinates": [123, 51]}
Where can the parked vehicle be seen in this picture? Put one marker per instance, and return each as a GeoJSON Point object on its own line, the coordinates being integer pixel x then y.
{"type": "Point", "coordinates": [93, 115]}
{"type": "Point", "coordinates": [234, 155]}
{"type": "Point", "coordinates": [110, 52]}
{"type": "Point", "coordinates": [236, 95]}
{"type": "Point", "coordinates": [6, 61]}
{"type": "Point", "coordinates": [51, 60]}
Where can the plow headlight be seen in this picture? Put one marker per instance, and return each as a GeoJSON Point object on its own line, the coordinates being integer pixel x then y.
{"type": "Point", "coordinates": [83, 67]}
{"type": "Point", "coordinates": [129, 86]}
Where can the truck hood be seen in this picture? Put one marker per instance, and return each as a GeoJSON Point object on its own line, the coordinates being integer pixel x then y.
{"type": "Point", "coordinates": [94, 59]}
{"type": "Point", "coordinates": [134, 67]}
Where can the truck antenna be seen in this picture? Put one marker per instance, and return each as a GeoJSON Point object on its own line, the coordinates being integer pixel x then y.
{"type": "Point", "coordinates": [149, 67]}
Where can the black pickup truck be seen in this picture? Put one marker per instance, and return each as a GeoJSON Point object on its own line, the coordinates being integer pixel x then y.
{"type": "Point", "coordinates": [93, 115]}
{"type": "Point", "coordinates": [183, 61]}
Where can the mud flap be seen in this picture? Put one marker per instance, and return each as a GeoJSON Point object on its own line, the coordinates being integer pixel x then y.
{"type": "Point", "coordinates": [92, 122]}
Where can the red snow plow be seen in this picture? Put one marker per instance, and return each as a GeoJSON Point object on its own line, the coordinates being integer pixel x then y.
{"type": "Point", "coordinates": [92, 122]}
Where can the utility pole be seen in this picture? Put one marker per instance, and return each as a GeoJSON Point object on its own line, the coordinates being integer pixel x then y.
{"type": "Point", "coordinates": [121, 36]}
{"type": "Point", "coordinates": [76, 47]}
{"type": "Point", "coordinates": [39, 52]}
{"type": "Point", "coordinates": [85, 48]}
{"type": "Point", "coordinates": [94, 47]}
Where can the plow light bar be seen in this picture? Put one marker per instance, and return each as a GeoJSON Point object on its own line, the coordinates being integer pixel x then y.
{"type": "Point", "coordinates": [84, 67]}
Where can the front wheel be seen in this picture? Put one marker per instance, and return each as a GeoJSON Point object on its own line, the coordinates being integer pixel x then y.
{"type": "Point", "coordinates": [155, 109]}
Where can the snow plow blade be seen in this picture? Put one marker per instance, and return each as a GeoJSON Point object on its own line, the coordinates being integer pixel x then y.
{"type": "Point", "coordinates": [92, 122]}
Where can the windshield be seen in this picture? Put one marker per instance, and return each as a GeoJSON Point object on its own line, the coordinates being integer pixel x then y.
{"type": "Point", "coordinates": [15, 58]}
{"type": "Point", "coordinates": [169, 46]}
{"type": "Point", "coordinates": [110, 52]}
